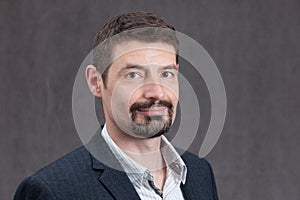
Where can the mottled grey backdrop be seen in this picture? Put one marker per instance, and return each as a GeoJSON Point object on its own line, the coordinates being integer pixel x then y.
{"type": "Point", "coordinates": [254, 43]}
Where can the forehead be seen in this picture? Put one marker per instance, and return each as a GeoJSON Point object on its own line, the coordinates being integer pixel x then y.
{"type": "Point", "coordinates": [144, 52]}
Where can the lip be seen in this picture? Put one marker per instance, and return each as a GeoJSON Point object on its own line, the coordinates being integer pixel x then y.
{"type": "Point", "coordinates": [156, 111]}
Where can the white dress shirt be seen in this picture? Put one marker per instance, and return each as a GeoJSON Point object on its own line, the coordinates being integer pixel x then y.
{"type": "Point", "coordinates": [140, 176]}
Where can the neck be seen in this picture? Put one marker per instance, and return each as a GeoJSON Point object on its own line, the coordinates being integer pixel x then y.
{"type": "Point", "coordinates": [133, 144]}
{"type": "Point", "coordinates": [145, 151]}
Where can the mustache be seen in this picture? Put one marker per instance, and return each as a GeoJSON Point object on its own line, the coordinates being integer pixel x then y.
{"type": "Point", "coordinates": [148, 104]}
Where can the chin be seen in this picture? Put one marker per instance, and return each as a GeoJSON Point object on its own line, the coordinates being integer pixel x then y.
{"type": "Point", "coordinates": [152, 129]}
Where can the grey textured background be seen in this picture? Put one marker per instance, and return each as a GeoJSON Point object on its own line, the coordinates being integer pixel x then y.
{"type": "Point", "coordinates": [254, 43]}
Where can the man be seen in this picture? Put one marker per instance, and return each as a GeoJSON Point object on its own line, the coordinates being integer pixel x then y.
{"type": "Point", "coordinates": [135, 73]}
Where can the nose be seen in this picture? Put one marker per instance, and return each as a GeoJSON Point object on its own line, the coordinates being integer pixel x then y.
{"type": "Point", "coordinates": [154, 91]}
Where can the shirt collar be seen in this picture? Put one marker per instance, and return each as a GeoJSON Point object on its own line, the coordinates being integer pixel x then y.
{"type": "Point", "coordinates": [173, 159]}
{"type": "Point", "coordinates": [136, 172]}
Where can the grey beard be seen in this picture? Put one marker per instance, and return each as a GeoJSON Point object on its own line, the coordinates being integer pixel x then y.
{"type": "Point", "coordinates": [154, 128]}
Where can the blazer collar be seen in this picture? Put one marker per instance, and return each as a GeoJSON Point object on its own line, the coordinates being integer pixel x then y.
{"type": "Point", "coordinates": [111, 175]}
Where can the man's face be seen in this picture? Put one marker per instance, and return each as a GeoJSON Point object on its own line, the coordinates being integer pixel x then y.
{"type": "Point", "coordinates": [141, 93]}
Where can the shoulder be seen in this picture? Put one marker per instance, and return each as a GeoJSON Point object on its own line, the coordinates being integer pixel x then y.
{"type": "Point", "coordinates": [56, 178]}
{"type": "Point", "coordinates": [194, 161]}
{"type": "Point", "coordinates": [200, 172]}
{"type": "Point", "coordinates": [34, 188]}
{"type": "Point", "coordinates": [198, 169]}
{"type": "Point", "coordinates": [78, 159]}
{"type": "Point", "coordinates": [195, 164]}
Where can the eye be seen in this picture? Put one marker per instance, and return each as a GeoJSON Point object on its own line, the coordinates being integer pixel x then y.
{"type": "Point", "coordinates": [167, 74]}
{"type": "Point", "coordinates": [132, 75]}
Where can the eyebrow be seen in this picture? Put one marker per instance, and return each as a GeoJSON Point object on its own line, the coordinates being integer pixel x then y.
{"type": "Point", "coordinates": [170, 67]}
{"type": "Point", "coordinates": [132, 66]}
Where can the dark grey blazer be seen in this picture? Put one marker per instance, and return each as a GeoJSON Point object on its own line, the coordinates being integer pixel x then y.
{"type": "Point", "coordinates": [81, 175]}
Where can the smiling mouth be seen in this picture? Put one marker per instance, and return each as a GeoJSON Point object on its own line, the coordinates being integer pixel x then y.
{"type": "Point", "coordinates": [154, 111]}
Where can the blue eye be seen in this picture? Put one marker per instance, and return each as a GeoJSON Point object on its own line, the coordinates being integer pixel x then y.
{"type": "Point", "coordinates": [167, 74]}
{"type": "Point", "coordinates": [132, 75]}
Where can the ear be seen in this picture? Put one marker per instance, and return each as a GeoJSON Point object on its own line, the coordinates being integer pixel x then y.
{"type": "Point", "coordinates": [94, 80]}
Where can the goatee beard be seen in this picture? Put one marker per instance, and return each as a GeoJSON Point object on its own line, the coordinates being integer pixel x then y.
{"type": "Point", "coordinates": [151, 126]}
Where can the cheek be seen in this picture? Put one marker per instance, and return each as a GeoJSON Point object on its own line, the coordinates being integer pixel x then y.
{"type": "Point", "coordinates": [172, 93]}
{"type": "Point", "coordinates": [122, 97]}
{"type": "Point", "coordinates": [135, 96]}
{"type": "Point", "coordinates": [131, 92]}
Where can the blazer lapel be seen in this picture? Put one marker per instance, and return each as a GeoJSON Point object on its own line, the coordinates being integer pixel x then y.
{"type": "Point", "coordinates": [118, 184]}
{"type": "Point", "coordinates": [112, 177]}
{"type": "Point", "coordinates": [188, 192]}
